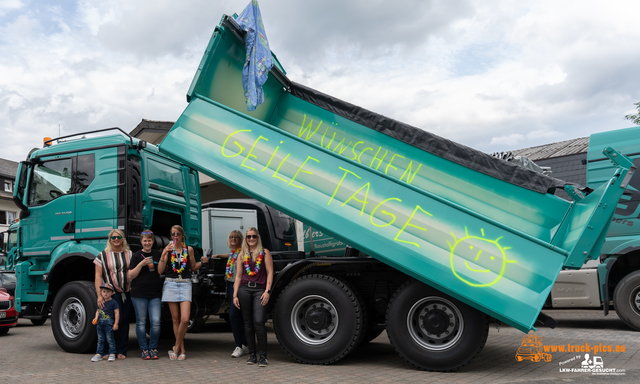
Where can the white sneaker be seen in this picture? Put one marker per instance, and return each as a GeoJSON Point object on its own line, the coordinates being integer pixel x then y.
{"type": "Point", "coordinates": [112, 357]}
{"type": "Point", "coordinates": [238, 352]}
{"type": "Point", "coordinates": [96, 357]}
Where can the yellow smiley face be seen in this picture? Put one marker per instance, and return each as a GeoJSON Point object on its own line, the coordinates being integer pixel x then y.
{"type": "Point", "coordinates": [478, 261]}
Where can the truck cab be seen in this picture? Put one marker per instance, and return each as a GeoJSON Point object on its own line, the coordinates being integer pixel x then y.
{"type": "Point", "coordinates": [71, 193]}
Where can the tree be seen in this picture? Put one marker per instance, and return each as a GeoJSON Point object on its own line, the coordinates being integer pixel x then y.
{"type": "Point", "coordinates": [635, 119]}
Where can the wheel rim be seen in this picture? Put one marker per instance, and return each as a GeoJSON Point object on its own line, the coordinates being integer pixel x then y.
{"type": "Point", "coordinates": [435, 323]}
{"type": "Point", "coordinates": [314, 319]}
{"type": "Point", "coordinates": [72, 318]}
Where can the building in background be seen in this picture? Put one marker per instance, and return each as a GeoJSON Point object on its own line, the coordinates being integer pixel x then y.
{"type": "Point", "coordinates": [567, 160]}
{"type": "Point", "coordinates": [8, 209]}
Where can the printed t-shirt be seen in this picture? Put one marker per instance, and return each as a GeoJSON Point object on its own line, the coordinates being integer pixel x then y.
{"type": "Point", "coordinates": [109, 310]}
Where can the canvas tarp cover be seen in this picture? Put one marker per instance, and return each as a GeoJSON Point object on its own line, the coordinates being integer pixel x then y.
{"type": "Point", "coordinates": [431, 143]}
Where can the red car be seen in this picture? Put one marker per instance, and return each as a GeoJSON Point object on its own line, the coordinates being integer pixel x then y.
{"type": "Point", "coordinates": [8, 313]}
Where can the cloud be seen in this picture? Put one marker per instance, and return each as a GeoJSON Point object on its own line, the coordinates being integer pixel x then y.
{"type": "Point", "coordinates": [10, 5]}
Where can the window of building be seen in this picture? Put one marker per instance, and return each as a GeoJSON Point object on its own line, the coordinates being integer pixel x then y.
{"type": "Point", "coordinates": [7, 217]}
{"type": "Point", "coordinates": [8, 186]}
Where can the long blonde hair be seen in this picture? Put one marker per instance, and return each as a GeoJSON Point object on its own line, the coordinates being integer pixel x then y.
{"type": "Point", "coordinates": [125, 245]}
{"type": "Point", "coordinates": [235, 232]}
{"type": "Point", "coordinates": [245, 246]}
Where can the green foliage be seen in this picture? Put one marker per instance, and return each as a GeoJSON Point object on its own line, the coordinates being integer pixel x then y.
{"type": "Point", "coordinates": [634, 118]}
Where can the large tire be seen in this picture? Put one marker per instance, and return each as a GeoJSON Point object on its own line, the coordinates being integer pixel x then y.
{"type": "Point", "coordinates": [73, 309]}
{"type": "Point", "coordinates": [318, 319]}
{"type": "Point", "coordinates": [434, 331]}
{"type": "Point", "coordinates": [4, 330]}
{"type": "Point", "coordinates": [626, 300]}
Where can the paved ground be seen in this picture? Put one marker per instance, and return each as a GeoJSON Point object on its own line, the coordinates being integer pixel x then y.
{"type": "Point", "coordinates": [29, 354]}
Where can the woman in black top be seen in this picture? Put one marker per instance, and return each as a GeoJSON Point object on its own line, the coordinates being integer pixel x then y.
{"type": "Point", "coordinates": [146, 293]}
{"type": "Point", "coordinates": [178, 260]}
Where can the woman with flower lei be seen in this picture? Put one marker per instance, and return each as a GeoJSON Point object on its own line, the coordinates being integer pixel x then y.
{"type": "Point", "coordinates": [251, 293]}
{"type": "Point", "coordinates": [235, 315]}
{"type": "Point", "coordinates": [177, 262]}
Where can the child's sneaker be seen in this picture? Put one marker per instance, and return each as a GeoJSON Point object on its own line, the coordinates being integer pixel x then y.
{"type": "Point", "coordinates": [112, 357]}
{"type": "Point", "coordinates": [153, 353]}
{"type": "Point", "coordinates": [145, 355]}
{"type": "Point", "coordinates": [96, 357]}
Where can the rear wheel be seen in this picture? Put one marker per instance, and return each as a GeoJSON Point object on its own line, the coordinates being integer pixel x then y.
{"type": "Point", "coordinates": [73, 308]}
{"type": "Point", "coordinates": [626, 300]}
{"type": "Point", "coordinates": [318, 319]}
{"type": "Point", "coordinates": [432, 330]}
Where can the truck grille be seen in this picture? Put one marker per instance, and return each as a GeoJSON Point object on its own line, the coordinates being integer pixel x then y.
{"type": "Point", "coordinates": [6, 304]}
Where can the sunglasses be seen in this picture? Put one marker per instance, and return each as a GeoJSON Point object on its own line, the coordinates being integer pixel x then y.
{"type": "Point", "coordinates": [116, 237]}
{"type": "Point", "coordinates": [252, 236]}
{"type": "Point", "coordinates": [234, 237]}
{"type": "Point", "coordinates": [176, 234]}
{"type": "Point", "coordinates": [147, 233]}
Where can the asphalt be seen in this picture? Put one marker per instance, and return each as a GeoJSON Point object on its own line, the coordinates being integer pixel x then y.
{"type": "Point", "coordinates": [29, 354]}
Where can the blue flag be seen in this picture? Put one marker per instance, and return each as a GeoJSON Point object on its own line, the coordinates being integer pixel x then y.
{"type": "Point", "coordinates": [258, 61]}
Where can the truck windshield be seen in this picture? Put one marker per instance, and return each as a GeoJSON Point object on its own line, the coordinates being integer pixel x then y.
{"type": "Point", "coordinates": [12, 240]}
{"type": "Point", "coordinates": [50, 180]}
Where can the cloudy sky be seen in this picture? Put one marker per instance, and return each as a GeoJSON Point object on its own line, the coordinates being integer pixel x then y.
{"type": "Point", "coordinates": [494, 75]}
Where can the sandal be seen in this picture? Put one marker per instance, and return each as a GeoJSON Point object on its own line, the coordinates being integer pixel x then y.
{"type": "Point", "coordinates": [182, 357]}
{"type": "Point", "coordinates": [172, 355]}
{"type": "Point", "coordinates": [121, 356]}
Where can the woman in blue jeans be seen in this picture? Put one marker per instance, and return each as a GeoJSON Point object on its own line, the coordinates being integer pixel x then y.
{"type": "Point", "coordinates": [235, 315]}
{"type": "Point", "coordinates": [146, 294]}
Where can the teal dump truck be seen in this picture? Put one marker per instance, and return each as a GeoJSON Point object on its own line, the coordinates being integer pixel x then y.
{"type": "Point", "coordinates": [71, 193]}
{"type": "Point", "coordinates": [457, 236]}
{"type": "Point", "coordinates": [615, 276]}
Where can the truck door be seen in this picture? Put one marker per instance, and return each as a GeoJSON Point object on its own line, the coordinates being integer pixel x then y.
{"type": "Point", "coordinates": [95, 203]}
{"type": "Point", "coordinates": [51, 201]}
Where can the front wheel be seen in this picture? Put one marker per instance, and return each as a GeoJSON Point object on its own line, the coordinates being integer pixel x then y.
{"type": "Point", "coordinates": [432, 330]}
{"type": "Point", "coordinates": [626, 300]}
{"type": "Point", "coordinates": [318, 319]}
{"type": "Point", "coordinates": [73, 309]}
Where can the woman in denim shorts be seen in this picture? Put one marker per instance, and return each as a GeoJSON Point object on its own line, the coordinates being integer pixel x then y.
{"type": "Point", "coordinates": [178, 261]}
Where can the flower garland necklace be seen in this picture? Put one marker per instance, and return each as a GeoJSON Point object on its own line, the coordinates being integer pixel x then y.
{"type": "Point", "coordinates": [182, 262]}
{"type": "Point", "coordinates": [258, 262]}
{"type": "Point", "coordinates": [233, 256]}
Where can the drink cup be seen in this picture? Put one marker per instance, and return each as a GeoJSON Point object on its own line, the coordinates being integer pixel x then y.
{"type": "Point", "coordinates": [151, 267]}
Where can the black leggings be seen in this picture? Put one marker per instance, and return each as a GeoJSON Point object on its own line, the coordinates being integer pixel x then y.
{"type": "Point", "coordinates": [254, 315]}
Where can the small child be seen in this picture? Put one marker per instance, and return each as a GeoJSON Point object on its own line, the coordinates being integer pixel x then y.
{"type": "Point", "coordinates": [107, 320]}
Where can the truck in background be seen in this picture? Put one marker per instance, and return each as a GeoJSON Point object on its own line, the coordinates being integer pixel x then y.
{"type": "Point", "coordinates": [615, 275]}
